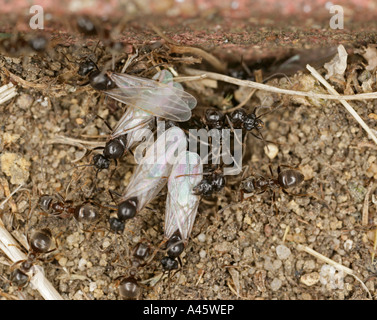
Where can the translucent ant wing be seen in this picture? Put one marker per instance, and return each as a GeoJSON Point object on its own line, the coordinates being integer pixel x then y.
{"type": "Point", "coordinates": [181, 203]}
{"type": "Point", "coordinates": [159, 99]}
{"type": "Point", "coordinates": [133, 119]}
{"type": "Point", "coordinates": [154, 168]}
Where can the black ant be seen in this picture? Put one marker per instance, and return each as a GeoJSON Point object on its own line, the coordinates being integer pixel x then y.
{"type": "Point", "coordinates": [113, 150]}
{"type": "Point", "coordinates": [286, 179]}
{"type": "Point", "coordinates": [85, 212]}
{"type": "Point", "coordinates": [115, 147]}
{"type": "Point", "coordinates": [175, 247]}
{"type": "Point", "coordinates": [128, 286]}
{"type": "Point", "coordinates": [214, 181]}
{"type": "Point", "coordinates": [239, 119]}
{"type": "Point", "coordinates": [39, 243]}
{"type": "Point", "coordinates": [97, 79]}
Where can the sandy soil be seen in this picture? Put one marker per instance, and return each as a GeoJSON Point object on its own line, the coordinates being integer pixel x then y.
{"type": "Point", "coordinates": [238, 250]}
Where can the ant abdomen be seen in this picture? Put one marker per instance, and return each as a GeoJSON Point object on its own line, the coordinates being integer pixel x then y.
{"type": "Point", "coordinates": [41, 240]}
{"type": "Point", "coordinates": [129, 288]}
{"type": "Point", "coordinates": [115, 148]}
{"type": "Point", "coordinates": [290, 178]}
{"type": "Point", "coordinates": [86, 213]}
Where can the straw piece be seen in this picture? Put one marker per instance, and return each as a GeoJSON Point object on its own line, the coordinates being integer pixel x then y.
{"type": "Point", "coordinates": [349, 108]}
{"type": "Point", "coordinates": [265, 87]}
{"type": "Point", "coordinates": [334, 264]}
{"type": "Point", "coordinates": [10, 247]}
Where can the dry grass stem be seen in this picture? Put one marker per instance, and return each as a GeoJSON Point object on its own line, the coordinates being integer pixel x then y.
{"type": "Point", "coordinates": [265, 87]}
{"type": "Point", "coordinates": [334, 264]}
{"type": "Point", "coordinates": [349, 108]}
{"type": "Point", "coordinates": [10, 247]}
{"type": "Point", "coordinates": [365, 215]}
{"type": "Point", "coordinates": [7, 92]}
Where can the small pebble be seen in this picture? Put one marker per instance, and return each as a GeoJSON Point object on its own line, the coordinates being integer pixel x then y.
{"type": "Point", "coordinates": [271, 150]}
{"type": "Point", "coordinates": [82, 264]}
{"type": "Point", "coordinates": [16, 167]}
{"type": "Point", "coordinates": [202, 237]}
{"type": "Point", "coordinates": [348, 244]}
{"type": "Point", "coordinates": [92, 286]}
{"type": "Point", "coordinates": [202, 254]}
{"type": "Point", "coordinates": [276, 284]}
{"type": "Point", "coordinates": [73, 239]}
{"type": "Point", "coordinates": [283, 252]}
{"type": "Point", "coordinates": [63, 261]}
{"type": "Point", "coordinates": [310, 279]}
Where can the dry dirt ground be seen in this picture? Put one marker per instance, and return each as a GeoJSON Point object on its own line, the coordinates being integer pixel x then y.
{"type": "Point", "coordinates": [237, 250]}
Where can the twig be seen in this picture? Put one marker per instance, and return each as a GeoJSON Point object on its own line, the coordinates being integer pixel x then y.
{"type": "Point", "coordinates": [190, 78]}
{"type": "Point", "coordinates": [10, 247]}
{"type": "Point", "coordinates": [265, 87]}
{"type": "Point", "coordinates": [334, 264]}
{"type": "Point", "coordinates": [349, 108]}
{"type": "Point", "coordinates": [9, 195]}
{"type": "Point", "coordinates": [286, 233]}
{"type": "Point", "coordinates": [374, 246]}
{"type": "Point", "coordinates": [242, 103]}
{"type": "Point", "coordinates": [7, 92]}
{"type": "Point", "coordinates": [212, 60]}
{"type": "Point", "coordinates": [364, 218]}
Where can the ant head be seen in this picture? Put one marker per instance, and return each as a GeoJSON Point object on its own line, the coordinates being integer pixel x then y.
{"type": "Point", "coordinates": [127, 209]}
{"type": "Point", "coordinates": [19, 278]}
{"type": "Point", "coordinates": [44, 202]}
{"type": "Point", "coordinates": [38, 43]}
{"type": "Point", "coordinates": [86, 26]}
{"type": "Point", "coordinates": [169, 263]}
{"type": "Point", "coordinates": [116, 225]}
{"type": "Point", "coordinates": [218, 181]}
{"type": "Point", "coordinates": [86, 213]}
{"type": "Point", "coordinates": [204, 188]}
{"type": "Point", "coordinates": [100, 81]}
{"type": "Point", "coordinates": [40, 241]}
{"type": "Point", "coordinates": [115, 148]}
{"type": "Point", "coordinates": [101, 162]}
{"type": "Point", "coordinates": [237, 117]}
{"type": "Point", "coordinates": [129, 288]}
{"type": "Point", "coordinates": [259, 124]}
{"type": "Point", "coordinates": [86, 67]}
{"type": "Point", "coordinates": [141, 251]}
{"type": "Point", "coordinates": [214, 118]}
{"type": "Point", "coordinates": [248, 185]}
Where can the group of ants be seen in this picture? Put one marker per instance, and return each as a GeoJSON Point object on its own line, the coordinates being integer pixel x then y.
{"type": "Point", "coordinates": [41, 241]}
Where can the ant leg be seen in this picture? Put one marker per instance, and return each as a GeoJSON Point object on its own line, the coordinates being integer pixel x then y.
{"type": "Point", "coordinates": [263, 114]}
{"type": "Point", "coordinates": [129, 61]}
{"type": "Point", "coordinates": [286, 166]}
{"type": "Point", "coordinates": [274, 203]}
{"type": "Point", "coordinates": [263, 139]}
{"type": "Point", "coordinates": [105, 121]}
{"type": "Point", "coordinates": [272, 174]}
{"type": "Point", "coordinates": [111, 195]}
{"type": "Point", "coordinates": [158, 249]}
{"type": "Point", "coordinates": [296, 194]}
